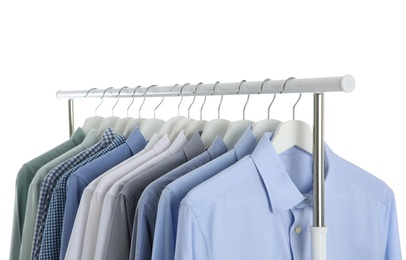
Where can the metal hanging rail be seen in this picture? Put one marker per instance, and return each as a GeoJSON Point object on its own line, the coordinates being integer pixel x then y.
{"type": "Point", "coordinates": [317, 86]}
{"type": "Point", "coordinates": [344, 83]}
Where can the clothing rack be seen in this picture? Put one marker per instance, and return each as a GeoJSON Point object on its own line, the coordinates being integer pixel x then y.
{"type": "Point", "coordinates": [317, 86]}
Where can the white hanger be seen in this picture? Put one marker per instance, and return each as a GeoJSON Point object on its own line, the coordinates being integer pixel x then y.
{"type": "Point", "coordinates": [237, 128]}
{"type": "Point", "coordinates": [133, 122]}
{"type": "Point", "coordinates": [150, 126]}
{"type": "Point", "coordinates": [261, 127]}
{"type": "Point", "coordinates": [293, 133]}
{"type": "Point", "coordinates": [108, 121]}
{"type": "Point", "coordinates": [93, 122]}
{"type": "Point", "coordinates": [215, 127]}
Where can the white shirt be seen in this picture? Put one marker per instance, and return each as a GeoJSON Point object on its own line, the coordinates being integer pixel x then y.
{"type": "Point", "coordinates": [111, 197]}
{"type": "Point", "coordinates": [78, 236]}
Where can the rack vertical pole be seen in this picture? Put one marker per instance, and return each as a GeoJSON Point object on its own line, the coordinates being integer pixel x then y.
{"type": "Point", "coordinates": [71, 117]}
{"type": "Point", "coordinates": [318, 230]}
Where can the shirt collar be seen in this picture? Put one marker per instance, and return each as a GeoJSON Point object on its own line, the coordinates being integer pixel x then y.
{"type": "Point", "coordinates": [178, 144]}
{"type": "Point", "coordinates": [136, 141]}
{"type": "Point", "coordinates": [78, 136]}
{"type": "Point", "coordinates": [246, 144]}
{"type": "Point", "coordinates": [90, 139]}
{"type": "Point", "coordinates": [282, 192]}
{"type": "Point", "coordinates": [107, 137]}
{"type": "Point", "coordinates": [217, 148]}
{"type": "Point", "coordinates": [194, 146]}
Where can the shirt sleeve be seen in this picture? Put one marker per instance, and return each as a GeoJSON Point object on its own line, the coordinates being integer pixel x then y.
{"type": "Point", "coordinates": [390, 231]}
{"type": "Point", "coordinates": [74, 248]}
{"type": "Point", "coordinates": [190, 241]}
{"type": "Point", "coordinates": [29, 224]}
{"type": "Point", "coordinates": [165, 227]}
{"type": "Point", "coordinates": [119, 240]}
{"type": "Point", "coordinates": [142, 235]}
{"type": "Point", "coordinates": [74, 188]}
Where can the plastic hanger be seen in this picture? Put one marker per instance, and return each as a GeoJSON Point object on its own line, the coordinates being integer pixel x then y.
{"type": "Point", "coordinates": [259, 128]}
{"type": "Point", "coordinates": [150, 126]}
{"type": "Point", "coordinates": [293, 133]}
{"type": "Point", "coordinates": [215, 127]}
{"type": "Point", "coordinates": [133, 122]}
{"type": "Point", "coordinates": [108, 121]}
{"type": "Point", "coordinates": [93, 122]}
{"type": "Point", "coordinates": [237, 128]}
{"type": "Point", "coordinates": [184, 122]}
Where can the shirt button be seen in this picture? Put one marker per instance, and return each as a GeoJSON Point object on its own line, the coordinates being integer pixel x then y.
{"type": "Point", "coordinates": [298, 230]}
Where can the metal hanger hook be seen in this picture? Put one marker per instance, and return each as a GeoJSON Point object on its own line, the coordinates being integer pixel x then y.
{"type": "Point", "coordinates": [88, 94]}
{"type": "Point", "coordinates": [284, 84]}
{"type": "Point", "coordinates": [294, 106]}
{"type": "Point", "coordinates": [194, 98]}
{"type": "Point", "coordinates": [133, 98]}
{"type": "Point", "coordinates": [143, 101]}
{"type": "Point", "coordinates": [173, 89]}
{"type": "Point", "coordinates": [118, 95]}
{"type": "Point", "coordinates": [201, 108]}
{"type": "Point", "coordinates": [274, 95]}
{"type": "Point", "coordinates": [300, 95]}
{"type": "Point", "coordinates": [246, 102]}
{"type": "Point", "coordinates": [180, 92]}
{"type": "Point", "coordinates": [102, 99]}
{"type": "Point", "coordinates": [89, 91]}
{"type": "Point", "coordinates": [221, 99]}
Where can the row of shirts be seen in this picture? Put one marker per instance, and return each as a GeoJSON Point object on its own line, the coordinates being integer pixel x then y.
{"type": "Point", "coordinates": [118, 198]}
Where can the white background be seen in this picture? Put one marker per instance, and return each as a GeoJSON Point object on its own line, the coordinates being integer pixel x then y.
{"type": "Point", "coordinates": [46, 46]}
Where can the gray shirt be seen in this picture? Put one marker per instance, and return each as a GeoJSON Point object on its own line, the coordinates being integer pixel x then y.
{"type": "Point", "coordinates": [119, 241]}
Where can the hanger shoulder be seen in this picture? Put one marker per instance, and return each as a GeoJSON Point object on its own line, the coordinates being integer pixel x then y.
{"type": "Point", "coordinates": [293, 133]}
{"type": "Point", "coordinates": [179, 126]}
{"type": "Point", "coordinates": [106, 123]}
{"type": "Point", "coordinates": [90, 123]}
{"type": "Point", "coordinates": [235, 130]}
{"type": "Point", "coordinates": [193, 127]}
{"type": "Point", "coordinates": [131, 125]}
{"type": "Point", "coordinates": [212, 129]}
{"type": "Point", "coordinates": [259, 128]}
{"type": "Point", "coordinates": [151, 126]}
{"type": "Point", "coordinates": [121, 125]}
{"type": "Point", "coordinates": [168, 125]}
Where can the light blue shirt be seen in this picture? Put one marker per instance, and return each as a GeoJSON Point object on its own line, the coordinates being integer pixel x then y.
{"type": "Point", "coordinates": [261, 208]}
{"type": "Point", "coordinates": [172, 195]}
